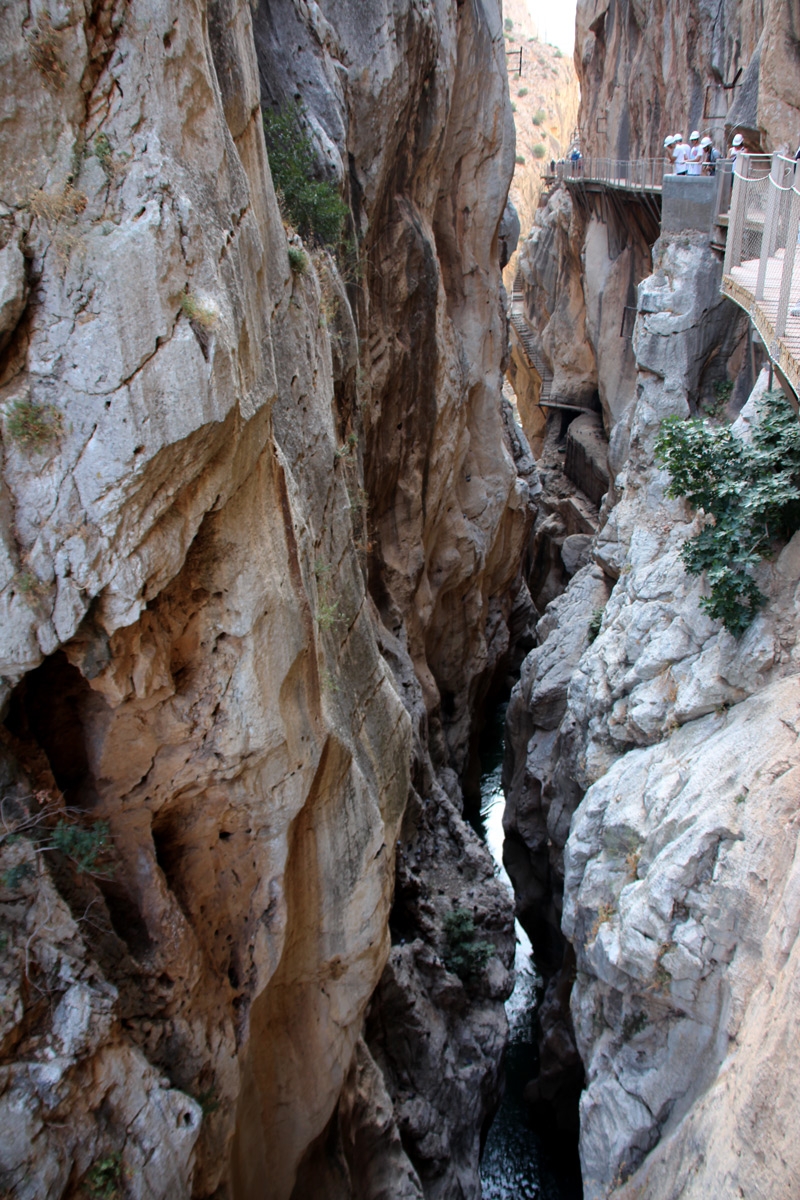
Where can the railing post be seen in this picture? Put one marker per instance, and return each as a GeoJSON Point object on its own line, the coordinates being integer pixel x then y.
{"type": "Point", "coordinates": [788, 265]}
{"type": "Point", "coordinates": [733, 248]}
{"type": "Point", "coordinates": [770, 224]}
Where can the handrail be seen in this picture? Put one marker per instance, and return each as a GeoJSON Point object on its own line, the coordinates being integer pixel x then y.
{"type": "Point", "coordinates": [761, 253]}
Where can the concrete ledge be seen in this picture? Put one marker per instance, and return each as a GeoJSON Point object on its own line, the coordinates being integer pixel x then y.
{"type": "Point", "coordinates": [688, 202]}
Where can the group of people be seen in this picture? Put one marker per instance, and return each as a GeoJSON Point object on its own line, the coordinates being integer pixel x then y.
{"type": "Point", "coordinates": [698, 156]}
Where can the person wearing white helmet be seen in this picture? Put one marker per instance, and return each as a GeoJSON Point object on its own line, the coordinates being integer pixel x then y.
{"type": "Point", "coordinates": [737, 148]}
{"type": "Point", "coordinates": [681, 151]}
{"type": "Point", "coordinates": [669, 154]}
{"type": "Point", "coordinates": [695, 155]}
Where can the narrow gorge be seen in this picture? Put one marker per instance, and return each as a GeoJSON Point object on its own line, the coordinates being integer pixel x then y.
{"type": "Point", "coordinates": [294, 496]}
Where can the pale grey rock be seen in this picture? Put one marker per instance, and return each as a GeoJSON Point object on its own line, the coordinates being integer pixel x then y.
{"type": "Point", "coordinates": [575, 552]}
{"type": "Point", "coordinates": [13, 287]}
{"type": "Point", "coordinates": [662, 890]}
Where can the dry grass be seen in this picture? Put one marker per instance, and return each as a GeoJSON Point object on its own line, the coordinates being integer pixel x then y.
{"type": "Point", "coordinates": [33, 425]}
{"type": "Point", "coordinates": [198, 312]}
{"type": "Point", "coordinates": [604, 913]}
{"type": "Point", "coordinates": [52, 207]}
{"type": "Point", "coordinates": [44, 47]}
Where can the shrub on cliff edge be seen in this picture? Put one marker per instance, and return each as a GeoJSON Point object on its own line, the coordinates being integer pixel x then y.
{"type": "Point", "coordinates": [749, 495]}
{"type": "Point", "coordinates": [313, 206]}
{"type": "Point", "coordinates": [465, 956]}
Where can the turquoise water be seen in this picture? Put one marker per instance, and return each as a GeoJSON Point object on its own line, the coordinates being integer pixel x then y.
{"type": "Point", "coordinates": [518, 1160]}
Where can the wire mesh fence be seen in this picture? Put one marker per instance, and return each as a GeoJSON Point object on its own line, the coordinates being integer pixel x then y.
{"type": "Point", "coordinates": [761, 253]}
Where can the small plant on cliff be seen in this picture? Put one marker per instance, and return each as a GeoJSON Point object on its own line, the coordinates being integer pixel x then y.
{"type": "Point", "coordinates": [199, 312]}
{"type": "Point", "coordinates": [33, 425]}
{"type": "Point", "coordinates": [105, 1177]}
{"type": "Point", "coordinates": [44, 48]}
{"type": "Point", "coordinates": [748, 494]}
{"type": "Point", "coordinates": [104, 154]}
{"type": "Point", "coordinates": [298, 261]}
{"type": "Point", "coordinates": [604, 913]}
{"type": "Point", "coordinates": [539, 117]}
{"type": "Point", "coordinates": [539, 150]}
{"type": "Point", "coordinates": [464, 955]}
{"type": "Point", "coordinates": [50, 828]}
{"type": "Point", "coordinates": [520, 160]}
{"type": "Point", "coordinates": [313, 206]}
{"type": "Point", "coordinates": [594, 624]}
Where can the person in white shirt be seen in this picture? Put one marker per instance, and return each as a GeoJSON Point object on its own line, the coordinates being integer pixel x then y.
{"type": "Point", "coordinates": [669, 154]}
{"type": "Point", "coordinates": [695, 155]}
{"type": "Point", "coordinates": [737, 148]}
{"type": "Point", "coordinates": [681, 151]}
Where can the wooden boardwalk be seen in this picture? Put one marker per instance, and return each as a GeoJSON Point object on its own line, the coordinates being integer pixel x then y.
{"type": "Point", "coordinates": [740, 285]}
{"type": "Point", "coordinates": [765, 221]}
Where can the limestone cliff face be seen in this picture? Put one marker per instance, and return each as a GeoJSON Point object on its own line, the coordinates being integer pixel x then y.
{"type": "Point", "coordinates": [648, 69]}
{"type": "Point", "coordinates": [545, 99]}
{"type": "Point", "coordinates": [657, 754]}
{"type": "Point", "coordinates": [260, 536]}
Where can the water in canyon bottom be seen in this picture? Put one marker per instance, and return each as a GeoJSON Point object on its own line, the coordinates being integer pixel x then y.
{"type": "Point", "coordinates": [517, 1163]}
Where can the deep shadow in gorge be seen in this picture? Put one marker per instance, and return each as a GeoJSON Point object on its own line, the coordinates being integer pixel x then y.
{"type": "Point", "coordinates": [531, 1146]}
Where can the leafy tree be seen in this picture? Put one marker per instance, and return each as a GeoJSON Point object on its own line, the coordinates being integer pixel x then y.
{"type": "Point", "coordinates": [748, 493]}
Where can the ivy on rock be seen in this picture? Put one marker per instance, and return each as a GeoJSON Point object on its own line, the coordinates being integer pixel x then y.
{"type": "Point", "coordinates": [748, 493]}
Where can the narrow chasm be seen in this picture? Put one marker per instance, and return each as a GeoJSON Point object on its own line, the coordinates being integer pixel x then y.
{"type": "Point", "coordinates": [399, 672]}
{"type": "Point", "coordinates": [531, 1147]}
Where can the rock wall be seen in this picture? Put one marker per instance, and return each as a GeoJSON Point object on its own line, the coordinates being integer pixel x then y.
{"type": "Point", "coordinates": [261, 530]}
{"type": "Point", "coordinates": [646, 70]}
{"type": "Point", "coordinates": [656, 752]}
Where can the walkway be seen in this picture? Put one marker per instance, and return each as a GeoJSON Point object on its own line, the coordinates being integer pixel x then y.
{"type": "Point", "coordinates": [629, 175]}
{"type": "Point", "coordinates": [524, 334]}
{"type": "Point", "coordinates": [762, 266]}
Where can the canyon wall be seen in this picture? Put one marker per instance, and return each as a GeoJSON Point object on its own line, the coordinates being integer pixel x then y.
{"type": "Point", "coordinates": [652, 812]}
{"type": "Point", "coordinates": [649, 69]}
{"type": "Point", "coordinates": [261, 529]}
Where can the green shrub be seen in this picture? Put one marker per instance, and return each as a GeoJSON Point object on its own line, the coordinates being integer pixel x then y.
{"type": "Point", "coordinates": [523, 91]}
{"type": "Point", "coordinates": [464, 956]}
{"type": "Point", "coordinates": [750, 495]}
{"type": "Point", "coordinates": [298, 262]}
{"type": "Point", "coordinates": [86, 847]}
{"type": "Point", "coordinates": [105, 1177]}
{"type": "Point", "coordinates": [509, 24]}
{"type": "Point", "coordinates": [539, 117]}
{"type": "Point", "coordinates": [595, 623]}
{"type": "Point", "coordinates": [104, 154]}
{"type": "Point", "coordinates": [314, 207]}
{"type": "Point", "coordinates": [520, 160]}
{"type": "Point", "coordinates": [539, 150]}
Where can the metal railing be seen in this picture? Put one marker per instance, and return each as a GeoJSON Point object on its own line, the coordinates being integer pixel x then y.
{"type": "Point", "coordinates": [636, 174]}
{"type": "Point", "coordinates": [762, 266]}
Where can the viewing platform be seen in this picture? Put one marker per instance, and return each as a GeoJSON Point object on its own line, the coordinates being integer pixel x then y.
{"type": "Point", "coordinates": [762, 267]}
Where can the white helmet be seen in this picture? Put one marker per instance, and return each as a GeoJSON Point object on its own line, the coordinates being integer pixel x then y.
{"type": "Point", "coordinates": [667, 141]}
{"type": "Point", "coordinates": [738, 140]}
{"type": "Point", "coordinates": [694, 136]}
{"type": "Point", "coordinates": [677, 137]}
{"type": "Point", "coordinates": [706, 141]}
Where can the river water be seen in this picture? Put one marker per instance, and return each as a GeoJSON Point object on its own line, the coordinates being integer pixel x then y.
{"type": "Point", "coordinates": [516, 1164]}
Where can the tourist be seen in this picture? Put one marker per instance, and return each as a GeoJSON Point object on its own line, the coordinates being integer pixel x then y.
{"type": "Point", "coordinates": [711, 156]}
{"type": "Point", "coordinates": [695, 155]}
{"type": "Point", "coordinates": [681, 155]}
{"type": "Point", "coordinates": [575, 159]}
{"type": "Point", "coordinates": [669, 154]}
{"type": "Point", "coordinates": [737, 148]}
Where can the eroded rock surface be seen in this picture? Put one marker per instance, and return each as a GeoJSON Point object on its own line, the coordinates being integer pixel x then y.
{"type": "Point", "coordinates": [261, 535]}
{"type": "Point", "coordinates": [672, 743]}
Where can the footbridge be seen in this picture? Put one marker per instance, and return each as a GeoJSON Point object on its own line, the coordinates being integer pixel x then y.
{"type": "Point", "coordinates": [762, 264]}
